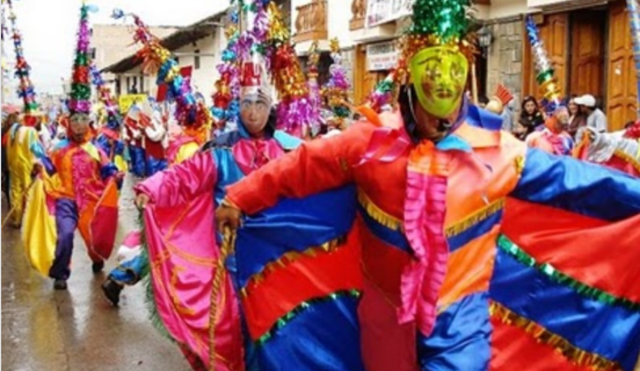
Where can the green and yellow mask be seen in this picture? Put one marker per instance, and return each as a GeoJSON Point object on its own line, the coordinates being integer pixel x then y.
{"type": "Point", "coordinates": [439, 75]}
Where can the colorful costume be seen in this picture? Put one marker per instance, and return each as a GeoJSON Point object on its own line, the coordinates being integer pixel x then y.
{"type": "Point", "coordinates": [85, 197]}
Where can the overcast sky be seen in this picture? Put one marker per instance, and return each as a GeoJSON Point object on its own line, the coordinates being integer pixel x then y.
{"type": "Point", "coordinates": [49, 29]}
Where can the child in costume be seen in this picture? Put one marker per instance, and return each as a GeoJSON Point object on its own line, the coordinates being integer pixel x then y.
{"type": "Point", "coordinates": [554, 137]}
{"type": "Point", "coordinates": [475, 251]}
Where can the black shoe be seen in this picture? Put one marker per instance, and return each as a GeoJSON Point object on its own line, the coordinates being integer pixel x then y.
{"type": "Point", "coordinates": [112, 290]}
{"type": "Point", "coordinates": [60, 284]}
{"type": "Point", "coordinates": [97, 267]}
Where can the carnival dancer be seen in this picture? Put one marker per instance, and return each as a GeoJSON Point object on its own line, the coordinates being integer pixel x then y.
{"type": "Point", "coordinates": [554, 137]}
{"type": "Point", "coordinates": [476, 252]}
{"type": "Point", "coordinates": [23, 147]}
{"type": "Point", "coordinates": [618, 150]}
{"type": "Point", "coordinates": [78, 189]}
{"type": "Point", "coordinates": [233, 155]}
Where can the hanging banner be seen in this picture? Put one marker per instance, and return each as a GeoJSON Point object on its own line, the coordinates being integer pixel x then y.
{"type": "Point", "coordinates": [383, 11]}
{"type": "Point", "coordinates": [126, 101]}
{"type": "Point", "coordinates": [382, 56]}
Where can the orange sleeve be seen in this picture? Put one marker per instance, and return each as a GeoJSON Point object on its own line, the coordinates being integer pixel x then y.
{"type": "Point", "coordinates": [315, 166]}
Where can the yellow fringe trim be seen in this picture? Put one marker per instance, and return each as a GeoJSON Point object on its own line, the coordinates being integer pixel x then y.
{"type": "Point", "coordinates": [287, 259]}
{"type": "Point", "coordinates": [377, 213]}
{"type": "Point", "coordinates": [628, 158]}
{"type": "Point", "coordinates": [574, 354]}
{"type": "Point", "coordinates": [475, 218]}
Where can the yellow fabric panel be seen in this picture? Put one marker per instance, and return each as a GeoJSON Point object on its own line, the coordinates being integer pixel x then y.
{"type": "Point", "coordinates": [39, 233]}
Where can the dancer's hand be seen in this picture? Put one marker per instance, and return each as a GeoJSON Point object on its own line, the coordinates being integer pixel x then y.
{"type": "Point", "coordinates": [142, 200]}
{"type": "Point", "coordinates": [228, 215]}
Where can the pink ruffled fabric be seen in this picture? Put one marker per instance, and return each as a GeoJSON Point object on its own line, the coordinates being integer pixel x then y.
{"type": "Point", "coordinates": [251, 154]}
{"type": "Point", "coordinates": [424, 215]}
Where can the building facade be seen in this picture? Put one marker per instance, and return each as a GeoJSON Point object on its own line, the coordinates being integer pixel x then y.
{"type": "Point", "coordinates": [588, 41]}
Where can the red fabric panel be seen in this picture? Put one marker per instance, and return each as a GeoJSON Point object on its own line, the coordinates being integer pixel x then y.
{"type": "Point", "coordinates": [598, 253]}
{"type": "Point", "coordinates": [308, 277]}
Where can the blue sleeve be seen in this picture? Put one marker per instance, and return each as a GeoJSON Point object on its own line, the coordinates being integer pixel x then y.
{"type": "Point", "coordinates": [38, 150]}
{"type": "Point", "coordinates": [580, 187]}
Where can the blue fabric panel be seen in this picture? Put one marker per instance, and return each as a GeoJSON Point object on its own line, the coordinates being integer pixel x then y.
{"type": "Point", "coordinates": [610, 331]}
{"type": "Point", "coordinates": [392, 237]}
{"type": "Point", "coordinates": [475, 231]}
{"type": "Point", "coordinates": [293, 225]}
{"type": "Point", "coordinates": [323, 337]}
{"type": "Point", "coordinates": [577, 186]}
{"type": "Point", "coordinates": [461, 339]}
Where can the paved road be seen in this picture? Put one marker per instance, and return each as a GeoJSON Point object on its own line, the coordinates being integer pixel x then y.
{"type": "Point", "coordinates": [76, 330]}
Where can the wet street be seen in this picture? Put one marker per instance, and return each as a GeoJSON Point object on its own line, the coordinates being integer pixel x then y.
{"type": "Point", "coordinates": [76, 330]}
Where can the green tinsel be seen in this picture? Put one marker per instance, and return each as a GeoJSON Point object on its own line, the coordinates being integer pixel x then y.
{"type": "Point", "coordinates": [84, 12]}
{"type": "Point", "coordinates": [445, 19]}
{"type": "Point", "coordinates": [385, 86]}
{"type": "Point", "coordinates": [342, 111]}
{"type": "Point", "coordinates": [545, 76]}
{"type": "Point", "coordinates": [81, 59]}
{"type": "Point", "coordinates": [283, 321]}
{"type": "Point", "coordinates": [147, 279]}
{"type": "Point", "coordinates": [505, 244]}
{"type": "Point", "coordinates": [80, 91]}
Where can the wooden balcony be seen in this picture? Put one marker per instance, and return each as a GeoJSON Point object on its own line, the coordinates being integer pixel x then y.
{"type": "Point", "coordinates": [358, 12]}
{"type": "Point", "coordinates": [311, 22]}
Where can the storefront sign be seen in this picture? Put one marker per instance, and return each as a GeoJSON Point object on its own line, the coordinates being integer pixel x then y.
{"type": "Point", "coordinates": [383, 11]}
{"type": "Point", "coordinates": [382, 56]}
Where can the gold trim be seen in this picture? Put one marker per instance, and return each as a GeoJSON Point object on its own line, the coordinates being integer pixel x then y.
{"type": "Point", "coordinates": [475, 218]}
{"type": "Point", "coordinates": [572, 353]}
{"type": "Point", "coordinates": [628, 158]}
{"type": "Point", "coordinates": [377, 213]}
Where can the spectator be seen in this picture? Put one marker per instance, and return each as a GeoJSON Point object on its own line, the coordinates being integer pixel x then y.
{"type": "Point", "coordinates": [576, 118]}
{"type": "Point", "coordinates": [595, 117]}
{"type": "Point", "coordinates": [530, 118]}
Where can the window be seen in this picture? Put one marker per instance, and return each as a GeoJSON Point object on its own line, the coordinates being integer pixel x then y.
{"type": "Point", "coordinates": [142, 84]}
{"type": "Point", "coordinates": [118, 87]}
{"type": "Point", "coordinates": [92, 53]}
{"type": "Point", "coordinates": [196, 59]}
{"type": "Point", "coordinates": [177, 60]}
{"type": "Point", "coordinates": [128, 84]}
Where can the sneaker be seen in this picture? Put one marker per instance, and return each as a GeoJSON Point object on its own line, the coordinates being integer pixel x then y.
{"type": "Point", "coordinates": [97, 267]}
{"type": "Point", "coordinates": [60, 284]}
{"type": "Point", "coordinates": [112, 291]}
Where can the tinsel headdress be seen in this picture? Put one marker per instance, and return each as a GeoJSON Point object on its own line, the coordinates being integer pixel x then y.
{"type": "Point", "coordinates": [336, 91]}
{"type": "Point", "coordinates": [156, 59]}
{"type": "Point", "coordinates": [25, 89]}
{"type": "Point", "coordinates": [80, 98]}
{"type": "Point", "coordinates": [112, 127]}
{"type": "Point", "coordinates": [434, 23]}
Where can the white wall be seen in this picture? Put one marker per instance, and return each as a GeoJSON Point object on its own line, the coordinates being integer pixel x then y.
{"type": "Point", "coordinates": [507, 8]}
